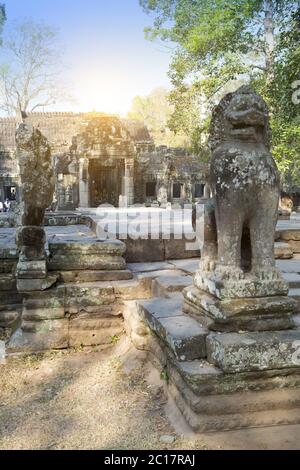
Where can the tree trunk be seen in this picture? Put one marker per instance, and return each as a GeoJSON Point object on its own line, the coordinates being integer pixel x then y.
{"type": "Point", "coordinates": [269, 37]}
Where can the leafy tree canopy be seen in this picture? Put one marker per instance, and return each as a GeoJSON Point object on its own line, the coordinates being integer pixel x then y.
{"type": "Point", "coordinates": [155, 111]}
{"type": "Point", "coordinates": [219, 44]}
{"type": "Point", "coordinates": [2, 18]}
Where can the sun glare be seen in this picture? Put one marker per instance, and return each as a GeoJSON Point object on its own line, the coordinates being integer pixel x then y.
{"type": "Point", "coordinates": [104, 94]}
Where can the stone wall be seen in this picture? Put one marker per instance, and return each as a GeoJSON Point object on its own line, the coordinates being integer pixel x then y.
{"type": "Point", "coordinates": [179, 172]}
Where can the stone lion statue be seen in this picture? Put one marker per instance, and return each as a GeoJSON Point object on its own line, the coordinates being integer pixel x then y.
{"type": "Point", "coordinates": [240, 221]}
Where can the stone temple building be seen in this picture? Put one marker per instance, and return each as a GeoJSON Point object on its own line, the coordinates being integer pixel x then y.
{"type": "Point", "coordinates": [102, 159]}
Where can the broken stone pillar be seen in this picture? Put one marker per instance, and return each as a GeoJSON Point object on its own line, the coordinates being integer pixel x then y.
{"type": "Point", "coordinates": [37, 189]}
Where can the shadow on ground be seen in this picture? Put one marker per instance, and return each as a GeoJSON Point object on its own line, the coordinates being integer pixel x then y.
{"type": "Point", "coordinates": [107, 399]}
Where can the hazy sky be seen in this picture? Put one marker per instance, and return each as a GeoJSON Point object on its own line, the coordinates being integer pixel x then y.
{"type": "Point", "coordinates": [107, 58]}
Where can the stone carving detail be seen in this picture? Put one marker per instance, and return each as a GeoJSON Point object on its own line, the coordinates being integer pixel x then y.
{"type": "Point", "coordinates": [246, 187]}
{"type": "Point", "coordinates": [36, 173]}
{"type": "Point", "coordinates": [37, 189]}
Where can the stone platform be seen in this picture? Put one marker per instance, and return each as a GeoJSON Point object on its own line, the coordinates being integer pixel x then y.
{"type": "Point", "coordinates": [82, 306]}
{"type": "Point", "coordinates": [172, 234]}
{"type": "Point", "coordinates": [212, 394]}
{"type": "Point", "coordinates": [162, 279]}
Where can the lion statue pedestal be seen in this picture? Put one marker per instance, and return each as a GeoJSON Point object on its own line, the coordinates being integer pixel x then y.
{"type": "Point", "coordinates": [238, 287]}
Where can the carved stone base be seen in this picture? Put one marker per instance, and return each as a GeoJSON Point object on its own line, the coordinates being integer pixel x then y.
{"type": "Point", "coordinates": [31, 269]}
{"type": "Point", "coordinates": [245, 286]}
{"type": "Point", "coordinates": [251, 314]}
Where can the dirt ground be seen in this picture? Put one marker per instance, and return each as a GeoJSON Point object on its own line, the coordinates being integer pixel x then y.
{"type": "Point", "coordinates": [107, 399]}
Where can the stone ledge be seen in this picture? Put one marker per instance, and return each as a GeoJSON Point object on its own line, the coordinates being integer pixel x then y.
{"type": "Point", "coordinates": [283, 251]}
{"type": "Point", "coordinates": [234, 352]}
{"type": "Point", "coordinates": [92, 276]}
{"type": "Point", "coordinates": [50, 334]}
{"type": "Point", "coordinates": [91, 262]}
{"type": "Point", "coordinates": [233, 315]}
{"type": "Point", "coordinates": [85, 246]}
{"type": "Point", "coordinates": [163, 285]}
{"type": "Point", "coordinates": [247, 287]}
{"type": "Point", "coordinates": [182, 334]}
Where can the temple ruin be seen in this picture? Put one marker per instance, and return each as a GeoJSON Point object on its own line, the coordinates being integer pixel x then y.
{"type": "Point", "coordinates": [101, 159]}
{"type": "Point", "coordinates": [218, 319]}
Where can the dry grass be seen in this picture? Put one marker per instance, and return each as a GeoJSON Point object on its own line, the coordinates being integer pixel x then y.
{"type": "Point", "coordinates": [102, 400]}
{"type": "Point", "coordinates": [78, 401]}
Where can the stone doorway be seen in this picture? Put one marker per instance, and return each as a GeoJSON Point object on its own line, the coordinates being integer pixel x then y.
{"type": "Point", "coordinates": [105, 183]}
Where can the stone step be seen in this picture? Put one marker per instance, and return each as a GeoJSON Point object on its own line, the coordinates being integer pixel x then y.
{"type": "Point", "coordinates": [8, 283]}
{"type": "Point", "coordinates": [90, 330]}
{"type": "Point", "coordinates": [293, 279]}
{"type": "Point", "coordinates": [295, 293]}
{"type": "Point", "coordinates": [40, 336]}
{"type": "Point", "coordinates": [9, 318]}
{"type": "Point", "coordinates": [256, 351]}
{"type": "Point", "coordinates": [189, 266]}
{"type": "Point", "coordinates": [164, 285]}
{"type": "Point", "coordinates": [283, 250]}
{"type": "Point", "coordinates": [146, 278]}
{"type": "Point", "coordinates": [85, 245]}
{"type": "Point", "coordinates": [183, 335]}
{"type": "Point", "coordinates": [94, 276]}
{"type": "Point", "coordinates": [288, 266]}
{"type": "Point", "coordinates": [9, 298]}
{"type": "Point", "coordinates": [276, 413]}
{"type": "Point", "coordinates": [149, 267]}
{"type": "Point", "coordinates": [133, 289]}
{"type": "Point", "coordinates": [237, 402]}
{"type": "Point", "coordinates": [91, 296]}
{"type": "Point", "coordinates": [77, 253]}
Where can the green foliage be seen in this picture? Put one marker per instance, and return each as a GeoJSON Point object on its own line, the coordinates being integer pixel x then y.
{"type": "Point", "coordinates": [286, 149]}
{"type": "Point", "coordinates": [114, 339]}
{"type": "Point", "coordinates": [220, 45]}
{"type": "Point", "coordinates": [285, 119]}
{"type": "Point", "coordinates": [2, 19]}
{"type": "Point", "coordinates": [164, 375]}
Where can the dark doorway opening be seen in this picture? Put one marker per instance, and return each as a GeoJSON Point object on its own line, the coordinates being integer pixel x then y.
{"type": "Point", "coordinates": [177, 190]}
{"type": "Point", "coordinates": [10, 192]}
{"type": "Point", "coordinates": [151, 189]}
{"type": "Point", "coordinates": [199, 190]}
{"type": "Point", "coordinates": [105, 183]}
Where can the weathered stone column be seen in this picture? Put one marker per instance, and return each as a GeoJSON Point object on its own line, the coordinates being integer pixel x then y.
{"type": "Point", "coordinates": [128, 186]}
{"type": "Point", "coordinates": [37, 189]}
{"type": "Point", "coordinates": [163, 186]}
{"type": "Point", "coordinates": [84, 197]}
